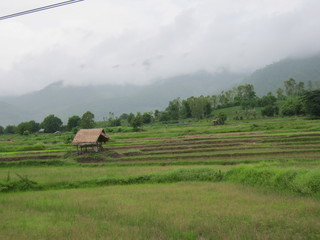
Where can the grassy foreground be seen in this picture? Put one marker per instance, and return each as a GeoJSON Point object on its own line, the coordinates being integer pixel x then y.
{"type": "Point", "coordinates": [255, 179]}
{"type": "Point", "coordinates": [167, 211]}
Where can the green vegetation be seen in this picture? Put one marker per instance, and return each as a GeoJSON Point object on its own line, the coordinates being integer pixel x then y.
{"type": "Point", "coordinates": [73, 122]}
{"type": "Point", "coordinates": [242, 102]}
{"type": "Point", "coordinates": [301, 181]}
{"type": "Point", "coordinates": [51, 124]}
{"type": "Point", "coordinates": [311, 101]}
{"type": "Point", "coordinates": [271, 77]}
{"type": "Point", "coordinates": [255, 178]}
{"type": "Point", "coordinates": [185, 210]}
{"type": "Point", "coordinates": [87, 120]}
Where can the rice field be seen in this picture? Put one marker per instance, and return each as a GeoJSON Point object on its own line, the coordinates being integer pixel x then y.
{"type": "Point", "coordinates": [255, 179]}
{"type": "Point", "coordinates": [166, 211]}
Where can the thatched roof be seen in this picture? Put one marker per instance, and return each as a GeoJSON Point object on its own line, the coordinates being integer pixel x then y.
{"type": "Point", "coordinates": [90, 137]}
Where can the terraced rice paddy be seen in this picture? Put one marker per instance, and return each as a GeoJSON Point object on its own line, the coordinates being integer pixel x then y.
{"type": "Point", "coordinates": [226, 149]}
{"type": "Point", "coordinates": [250, 180]}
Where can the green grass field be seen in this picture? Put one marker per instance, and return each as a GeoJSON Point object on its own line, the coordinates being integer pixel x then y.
{"type": "Point", "coordinates": [251, 179]}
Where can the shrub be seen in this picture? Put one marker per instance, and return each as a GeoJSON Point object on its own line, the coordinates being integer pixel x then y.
{"type": "Point", "coordinates": [311, 100]}
{"type": "Point", "coordinates": [293, 106]}
{"type": "Point", "coordinates": [23, 184]}
{"type": "Point", "coordinates": [270, 111]}
{"type": "Point", "coordinates": [222, 117]}
{"type": "Point", "coordinates": [293, 180]}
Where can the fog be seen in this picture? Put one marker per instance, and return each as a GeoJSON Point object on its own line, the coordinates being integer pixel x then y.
{"type": "Point", "coordinates": [137, 42]}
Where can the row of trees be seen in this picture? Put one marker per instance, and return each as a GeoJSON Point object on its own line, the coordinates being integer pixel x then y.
{"type": "Point", "coordinates": [289, 99]}
{"type": "Point", "coordinates": [51, 124]}
{"type": "Point", "coordinates": [193, 107]}
{"type": "Point", "coordinates": [295, 100]}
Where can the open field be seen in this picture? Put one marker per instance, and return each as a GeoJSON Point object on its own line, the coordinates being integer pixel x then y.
{"type": "Point", "coordinates": [255, 179]}
{"type": "Point", "coordinates": [167, 211]}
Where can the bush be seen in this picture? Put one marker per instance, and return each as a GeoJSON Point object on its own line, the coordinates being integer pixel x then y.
{"type": "Point", "coordinates": [311, 102]}
{"type": "Point", "coordinates": [114, 122]}
{"type": "Point", "coordinates": [68, 139]}
{"type": "Point", "coordinates": [293, 106]}
{"type": "Point", "coordinates": [270, 111]}
{"type": "Point", "coordinates": [23, 184]}
{"type": "Point", "coordinates": [147, 117]}
{"type": "Point", "coordinates": [222, 117]}
{"type": "Point", "coordinates": [75, 130]}
{"type": "Point", "coordinates": [26, 133]}
{"type": "Point", "coordinates": [136, 122]}
{"type": "Point", "coordinates": [10, 129]}
{"type": "Point", "coordinates": [293, 180]}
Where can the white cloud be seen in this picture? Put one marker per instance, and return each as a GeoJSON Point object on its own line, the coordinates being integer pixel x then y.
{"type": "Point", "coordinates": [98, 41]}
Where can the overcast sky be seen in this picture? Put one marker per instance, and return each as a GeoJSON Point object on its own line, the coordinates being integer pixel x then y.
{"type": "Point", "coordinates": [137, 41]}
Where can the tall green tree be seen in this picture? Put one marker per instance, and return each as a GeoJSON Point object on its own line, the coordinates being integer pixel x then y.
{"type": "Point", "coordinates": [28, 127]}
{"type": "Point", "coordinates": [87, 120]}
{"type": "Point", "coordinates": [200, 107]}
{"type": "Point", "coordinates": [280, 94]}
{"type": "Point", "coordinates": [246, 96]}
{"type": "Point", "coordinates": [266, 100]}
{"type": "Point", "coordinates": [311, 100]}
{"type": "Point", "coordinates": [73, 122]}
{"type": "Point", "coordinates": [290, 87]}
{"type": "Point", "coordinates": [147, 117]}
{"type": "Point", "coordinates": [136, 121]}
{"type": "Point", "coordinates": [245, 93]}
{"type": "Point", "coordinates": [292, 106]}
{"type": "Point", "coordinates": [270, 110]}
{"type": "Point", "coordinates": [124, 116]}
{"type": "Point", "coordinates": [222, 98]}
{"type": "Point", "coordinates": [1, 130]}
{"type": "Point", "coordinates": [10, 129]}
{"type": "Point", "coordinates": [51, 124]}
{"type": "Point", "coordinates": [185, 109]}
{"type": "Point", "coordinates": [300, 89]}
{"type": "Point", "coordinates": [164, 116]}
{"type": "Point", "coordinates": [214, 101]}
{"type": "Point", "coordinates": [174, 109]}
{"type": "Point", "coordinates": [130, 118]}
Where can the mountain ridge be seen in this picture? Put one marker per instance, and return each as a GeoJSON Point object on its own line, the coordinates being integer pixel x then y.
{"type": "Point", "coordinates": [66, 101]}
{"type": "Point", "coordinates": [272, 76]}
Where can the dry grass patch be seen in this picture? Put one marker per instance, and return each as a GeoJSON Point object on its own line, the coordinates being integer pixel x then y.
{"type": "Point", "coordinates": [168, 211]}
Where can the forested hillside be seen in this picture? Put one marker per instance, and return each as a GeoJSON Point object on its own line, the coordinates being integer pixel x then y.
{"type": "Point", "coordinates": [271, 77]}
{"type": "Point", "coordinates": [66, 101]}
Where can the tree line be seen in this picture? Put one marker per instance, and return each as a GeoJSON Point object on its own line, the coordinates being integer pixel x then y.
{"type": "Point", "coordinates": [293, 99]}
{"type": "Point", "coordinates": [51, 124]}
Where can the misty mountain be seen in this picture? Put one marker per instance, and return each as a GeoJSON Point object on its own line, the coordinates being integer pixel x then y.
{"type": "Point", "coordinates": [271, 77]}
{"type": "Point", "coordinates": [66, 101]}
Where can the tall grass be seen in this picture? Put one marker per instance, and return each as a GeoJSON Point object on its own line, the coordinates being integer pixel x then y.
{"type": "Point", "coordinates": [178, 175]}
{"type": "Point", "coordinates": [300, 181]}
{"type": "Point", "coordinates": [168, 211]}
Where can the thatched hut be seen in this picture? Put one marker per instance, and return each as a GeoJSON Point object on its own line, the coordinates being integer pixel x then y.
{"type": "Point", "coordinates": [90, 138]}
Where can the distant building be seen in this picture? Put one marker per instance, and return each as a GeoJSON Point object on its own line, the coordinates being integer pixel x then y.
{"type": "Point", "coordinates": [90, 138]}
